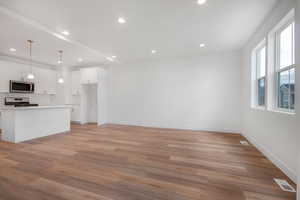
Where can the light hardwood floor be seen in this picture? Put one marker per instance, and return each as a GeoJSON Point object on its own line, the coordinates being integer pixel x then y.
{"type": "Point", "coordinates": [134, 163]}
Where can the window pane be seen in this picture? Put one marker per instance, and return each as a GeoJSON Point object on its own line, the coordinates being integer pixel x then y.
{"type": "Point", "coordinates": [262, 63]}
{"type": "Point", "coordinates": [286, 47]}
{"type": "Point", "coordinates": [293, 39]}
{"type": "Point", "coordinates": [261, 92]}
{"type": "Point", "coordinates": [292, 88]}
{"type": "Point", "coordinates": [283, 90]}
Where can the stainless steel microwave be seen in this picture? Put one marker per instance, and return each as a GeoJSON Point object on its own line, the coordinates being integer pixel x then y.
{"type": "Point", "coordinates": [21, 87]}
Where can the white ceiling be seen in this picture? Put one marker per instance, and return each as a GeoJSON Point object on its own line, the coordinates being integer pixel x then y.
{"type": "Point", "coordinates": [172, 27]}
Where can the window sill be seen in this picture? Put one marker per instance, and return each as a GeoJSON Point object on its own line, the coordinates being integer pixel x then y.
{"type": "Point", "coordinates": [282, 111]}
{"type": "Point", "coordinates": [262, 108]}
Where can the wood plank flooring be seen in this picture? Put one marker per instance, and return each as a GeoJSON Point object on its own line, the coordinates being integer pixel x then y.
{"type": "Point", "coordinates": [116, 162]}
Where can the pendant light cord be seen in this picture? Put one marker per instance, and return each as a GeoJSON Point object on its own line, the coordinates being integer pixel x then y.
{"type": "Point", "coordinates": [30, 54]}
{"type": "Point", "coordinates": [60, 56]}
{"type": "Point", "coordinates": [60, 61]}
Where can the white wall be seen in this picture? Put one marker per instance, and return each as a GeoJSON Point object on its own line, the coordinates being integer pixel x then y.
{"type": "Point", "coordinates": [92, 103]}
{"type": "Point", "coordinates": [89, 103]}
{"type": "Point", "coordinates": [201, 93]}
{"type": "Point", "coordinates": [102, 96]}
{"type": "Point", "coordinates": [275, 134]}
{"type": "Point", "coordinates": [298, 87]}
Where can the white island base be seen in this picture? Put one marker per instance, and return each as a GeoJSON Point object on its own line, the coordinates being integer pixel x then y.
{"type": "Point", "coordinates": [27, 123]}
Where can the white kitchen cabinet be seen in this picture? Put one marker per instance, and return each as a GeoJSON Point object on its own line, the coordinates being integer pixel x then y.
{"type": "Point", "coordinates": [45, 81]}
{"type": "Point", "coordinates": [10, 71]}
{"type": "Point", "coordinates": [76, 82]}
{"type": "Point", "coordinates": [75, 115]}
{"type": "Point", "coordinates": [39, 83]}
{"type": "Point", "coordinates": [89, 75]}
{"type": "Point", "coordinates": [52, 82]}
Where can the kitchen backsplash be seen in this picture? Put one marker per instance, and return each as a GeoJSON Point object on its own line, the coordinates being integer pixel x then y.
{"type": "Point", "coordinates": [40, 99]}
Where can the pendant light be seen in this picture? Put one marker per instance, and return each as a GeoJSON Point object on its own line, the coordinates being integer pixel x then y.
{"type": "Point", "coordinates": [30, 75]}
{"type": "Point", "coordinates": [60, 62]}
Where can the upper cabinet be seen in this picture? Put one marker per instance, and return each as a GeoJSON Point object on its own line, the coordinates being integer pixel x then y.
{"type": "Point", "coordinates": [76, 82]}
{"type": "Point", "coordinates": [10, 71]}
{"type": "Point", "coordinates": [89, 75]}
{"type": "Point", "coordinates": [45, 79]}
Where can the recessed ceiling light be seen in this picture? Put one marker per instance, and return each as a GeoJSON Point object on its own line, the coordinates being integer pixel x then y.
{"type": "Point", "coordinates": [110, 59]}
{"type": "Point", "coordinates": [201, 2]}
{"type": "Point", "coordinates": [59, 62]}
{"type": "Point", "coordinates": [121, 20]}
{"type": "Point", "coordinates": [59, 36]}
{"type": "Point", "coordinates": [114, 57]}
{"type": "Point", "coordinates": [12, 49]}
{"type": "Point", "coordinates": [202, 45]}
{"type": "Point", "coordinates": [65, 33]}
{"type": "Point", "coordinates": [154, 51]}
{"type": "Point", "coordinates": [80, 59]}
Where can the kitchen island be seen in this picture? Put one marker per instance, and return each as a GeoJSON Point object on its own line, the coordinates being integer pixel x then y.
{"type": "Point", "coordinates": [21, 124]}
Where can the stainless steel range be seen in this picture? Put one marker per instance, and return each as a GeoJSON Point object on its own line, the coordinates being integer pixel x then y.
{"type": "Point", "coordinates": [18, 102]}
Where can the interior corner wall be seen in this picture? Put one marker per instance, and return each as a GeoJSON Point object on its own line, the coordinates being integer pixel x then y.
{"type": "Point", "coordinates": [198, 93]}
{"type": "Point", "coordinates": [92, 104]}
{"type": "Point", "coordinates": [102, 96]}
{"type": "Point", "coordinates": [298, 87]}
{"type": "Point", "coordinates": [275, 134]}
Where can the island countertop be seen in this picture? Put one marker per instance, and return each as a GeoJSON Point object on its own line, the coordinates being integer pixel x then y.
{"type": "Point", "coordinates": [21, 124]}
{"type": "Point", "coordinates": [8, 108]}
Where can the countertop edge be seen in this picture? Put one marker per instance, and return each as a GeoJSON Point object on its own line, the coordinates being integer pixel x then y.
{"type": "Point", "coordinates": [35, 108]}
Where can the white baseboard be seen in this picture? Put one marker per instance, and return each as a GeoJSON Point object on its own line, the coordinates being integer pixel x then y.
{"type": "Point", "coordinates": [222, 131]}
{"type": "Point", "coordinates": [273, 158]}
{"type": "Point", "coordinates": [75, 122]}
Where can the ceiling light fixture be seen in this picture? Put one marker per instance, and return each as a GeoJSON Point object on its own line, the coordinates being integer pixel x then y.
{"type": "Point", "coordinates": [80, 59]}
{"type": "Point", "coordinates": [202, 45]}
{"type": "Point", "coordinates": [12, 49]}
{"type": "Point", "coordinates": [201, 2]}
{"type": "Point", "coordinates": [60, 36]}
{"type": "Point", "coordinates": [153, 51]}
{"type": "Point", "coordinates": [121, 20]}
{"type": "Point", "coordinates": [66, 33]}
{"type": "Point", "coordinates": [61, 80]}
{"type": "Point", "coordinates": [60, 67]}
{"type": "Point", "coordinates": [110, 59]}
{"type": "Point", "coordinates": [30, 75]}
{"type": "Point", "coordinates": [114, 57]}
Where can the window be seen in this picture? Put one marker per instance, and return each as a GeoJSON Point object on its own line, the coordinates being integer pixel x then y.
{"type": "Point", "coordinates": [273, 68]}
{"type": "Point", "coordinates": [285, 67]}
{"type": "Point", "coordinates": [261, 75]}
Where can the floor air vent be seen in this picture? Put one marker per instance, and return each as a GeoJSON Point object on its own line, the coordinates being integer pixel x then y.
{"type": "Point", "coordinates": [244, 143]}
{"type": "Point", "coordinates": [284, 185]}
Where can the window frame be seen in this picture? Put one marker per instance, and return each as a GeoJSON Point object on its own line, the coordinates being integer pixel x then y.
{"type": "Point", "coordinates": [279, 70]}
{"type": "Point", "coordinates": [264, 78]}
{"type": "Point", "coordinates": [257, 77]}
